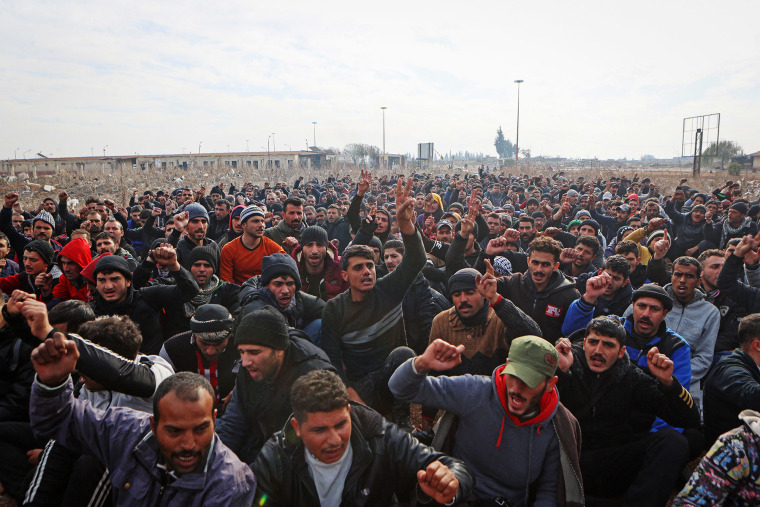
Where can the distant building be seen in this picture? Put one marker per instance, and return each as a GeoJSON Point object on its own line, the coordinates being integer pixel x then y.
{"type": "Point", "coordinates": [35, 167]}
{"type": "Point", "coordinates": [755, 157]}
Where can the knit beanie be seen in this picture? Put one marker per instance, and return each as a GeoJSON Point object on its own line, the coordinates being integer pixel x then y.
{"type": "Point", "coordinates": [464, 279]}
{"type": "Point", "coordinates": [739, 206]}
{"type": "Point", "coordinates": [652, 290]}
{"type": "Point", "coordinates": [314, 233]}
{"type": "Point", "coordinates": [250, 211]}
{"type": "Point", "coordinates": [574, 223]}
{"type": "Point", "coordinates": [655, 235]}
{"type": "Point", "coordinates": [113, 263]}
{"type": "Point", "coordinates": [43, 248]}
{"type": "Point", "coordinates": [279, 264]}
{"type": "Point", "coordinates": [45, 217]}
{"type": "Point", "coordinates": [265, 327]}
{"type": "Point", "coordinates": [592, 223]}
{"type": "Point", "coordinates": [195, 210]}
{"type": "Point", "coordinates": [205, 253]}
{"type": "Point", "coordinates": [211, 323]}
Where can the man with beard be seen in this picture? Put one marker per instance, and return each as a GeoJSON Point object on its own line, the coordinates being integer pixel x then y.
{"type": "Point", "coordinates": [177, 440]}
{"type": "Point", "coordinates": [204, 263]}
{"type": "Point", "coordinates": [146, 306]}
{"type": "Point", "coordinates": [205, 349]}
{"type": "Point", "coordinates": [219, 223]}
{"type": "Point", "coordinates": [481, 320]}
{"type": "Point", "coordinates": [578, 261]}
{"type": "Point", "coordinates": [106, 242]}
{"type": "Point", "coordinates": [37, 276]}
{"type": "Point", "coordinates": [692, 317]}
{"type": "Point", "coordinates": [43, 226]}
{"type": "Point", "coordinates": [608, 394]}
{"type": "Point", "coordinates": [731, 311]}
{"type": "Point", "coordinates": [279, 286]}
{"type": "Point", "coordinates": [616, 296]}
{"type": "Point", "coordinates": [689, 227]}
{"type": "Point", "coordinates": [271, 359]}
{"type": "Point", "coordinates": [362, 328]}
{"type": "Point", "coordinates": [518, 408]}
{"type": "Point", "coordinates": [542, 292]}
{"type": "Point", "coordinates": [292, 225]}
{"type": "Point", "coordinates": [117, 229]}
{"type": "Point", "coordinates": [736, 225]}
{"type": "Point", "coordinates": [526, 228]}
{"type": "Point", "coordinates": [72, 259]}
{"type": "Point", "coordinates": [310, 215]}
{"type": "Point", "coordinates": [241, 257]}
{"type": "Point", "coordinates": [337, 227]}
{"type": "Point", "coordinates": [195, 221]}
{"type": "Point", "coordinates": [318, 264]}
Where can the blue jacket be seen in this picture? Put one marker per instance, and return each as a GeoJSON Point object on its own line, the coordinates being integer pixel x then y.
{"type": "Point", "coordinates": [121, 439]}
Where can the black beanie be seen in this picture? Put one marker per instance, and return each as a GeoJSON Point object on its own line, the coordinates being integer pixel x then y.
{"type": "Point", "coordinates": [209, 318]}
{"type": "Point", "coordinates": [314, 233]}
{"type": "Point", "coordinates": [265, 327]}
{"type": "Point", "coordinates": [591, 223]}
{"type": "Point", "coordinates": [279, 264]}
{"type": "Point", "coordinates": [113, 263]}
{"type": "Point", "coordinates": [651, 290]}
{"type": "Point", "coordinates": [43, 248]}
{"type": "Point", "coordinates": [464, 279]}
{"type": "Point", "coordinates": [205, 253]}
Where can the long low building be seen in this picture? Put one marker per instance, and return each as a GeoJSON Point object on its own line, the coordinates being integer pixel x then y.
{"type": "Point", "coordinates": [251, 161]}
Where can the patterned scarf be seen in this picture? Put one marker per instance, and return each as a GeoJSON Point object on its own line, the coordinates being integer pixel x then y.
{"type": "Point", "coordinates": [203, 297]}
{"type": "Point", "coordinates": [290, 313]}
{"type": "Point", "coordinates": [727, 229]}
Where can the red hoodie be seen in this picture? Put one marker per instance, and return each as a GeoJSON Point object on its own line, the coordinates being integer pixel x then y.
{"type": "Point", "coordinates": [78, 250]}
{"type": "Point", "coordinates": [548, 404]}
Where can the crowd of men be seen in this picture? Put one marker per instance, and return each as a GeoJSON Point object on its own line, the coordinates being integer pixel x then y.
{"type": "Point", "coordinates": [562, 341]}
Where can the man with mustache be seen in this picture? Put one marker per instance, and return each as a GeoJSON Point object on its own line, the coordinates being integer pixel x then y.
{"type": "Point", "coordinates": [608, 395]}
{"type": "Point", "coordinates": [186, 463]}
{"type": "Point", "coordinates": [362, 328]}
{"type": "Point", "coordinates": [272, 357]}
{"type": "Point", "coordinates": [512, 431]}
{"type": "Point", "coordinates": [292, 225]}
{"type": "Point", "coordinates": [318, 264]}
{"type": "Point", "coordinates": [43, 226]}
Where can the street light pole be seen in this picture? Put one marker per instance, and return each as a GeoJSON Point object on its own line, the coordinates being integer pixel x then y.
{"type": "Point", "coordinates": [104, 150]}
{"type": "Point", "coordinates": [15, 153]}
{"type": "Point", "coordinates": [383, 108]}
{"type": "Point", "coordinates": [274, 145]}
{"type": "Point", "coordinates": [517, 141]}
{"type": "Point", "coordinates": [246, 145]}
{"type": "Point", "coordinates": [315, 132]}
{"type": "Point", "coordinates": [199, 147]}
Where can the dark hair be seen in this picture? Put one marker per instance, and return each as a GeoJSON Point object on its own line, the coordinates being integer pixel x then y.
{"type": "Point", "coordinates": [734, 241]}
{"type": "Point", "coordinates": [618, 264]}
{"type": "Point", "coordinates": [685, 260]}
{"type": "Point", "coordinates": [118, 333]}
{"type": "Point", "coordinates": [145, 214]}
{"type": "Point", "coordinates": [526, 218]}
{"type": "Point", "coordinates": [355, 251]}
{"type": "Point", "coordinates": [4, 237]}
{"type": "Point", "coordinates": [317, 391]}
{"type": "Point", "coordinates": [627, 246]}
{"type": "Point", "coordinates": [292, 201]}
{"type": "Point", "coordinates": [749, 329]}
{"type": "Point", "coordinates": [395, 244]}
{"type": "Point", "coordinates": [73, 312]}
{"type": "Point", "coordinates": [546, 245]}
{"type": "Point", "coordinates": [495, 215]}
{"type": "Point", "coordinates": [222, 202]}
{"type": "Point", "coordinates": [185, 385]}
{"type": "Point", "coordinates": [589, 241]}
{"type": "Point", "coordinates": [607, 326]}
{"type": "Point", "coordinates": [106, 235]}
{"type": "Point", "coordinates": [713, 252]}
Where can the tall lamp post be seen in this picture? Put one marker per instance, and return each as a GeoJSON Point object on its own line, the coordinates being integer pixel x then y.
{"type": "Point", "coordinates": [315, 132]}
{"type": "Point", "coordinates": [517, 141]}
{"type": "Point", "coordinates": [383, 108]}
{"type": "Point", "coordinates": [274, 146]}
{"type": "Point", "coordinates": [246, 145]}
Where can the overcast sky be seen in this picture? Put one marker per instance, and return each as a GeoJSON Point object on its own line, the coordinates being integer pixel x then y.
{"type": "Point", "coordinates": [605, 79]}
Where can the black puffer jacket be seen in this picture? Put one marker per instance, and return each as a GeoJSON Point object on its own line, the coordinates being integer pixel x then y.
{"type": "Point", "coordinates": [385, 462]}
{"type": "Point", "coordinates": [732, 386]}
{"type": "Point", "coordinates": [547, 307]}
{"type": "Point", "coordinates": [604, 403]}
{"type": "Point", "coordinates": [16, 376]}
{"type": "Point", "coordinates": [145, 306]}
{"type": "Point", "coordinates": [307, 308]}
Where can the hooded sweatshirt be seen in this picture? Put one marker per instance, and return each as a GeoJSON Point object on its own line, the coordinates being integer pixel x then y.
{"type": "Point", "coordinates": [505, 455]}
{"type": "Point", "coordinates": [77, 250]}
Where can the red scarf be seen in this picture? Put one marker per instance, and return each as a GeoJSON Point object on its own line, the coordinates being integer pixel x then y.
{"type": "Point", "coordinates": [547, 405]}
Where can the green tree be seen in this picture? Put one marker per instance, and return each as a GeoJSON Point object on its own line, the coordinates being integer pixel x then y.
{"type": "Point", "coordinates": [504, 147]}
{"type": "Point", "coordinates": [734, 168]}
{"type": "Point", "coordinates": [721, 152]}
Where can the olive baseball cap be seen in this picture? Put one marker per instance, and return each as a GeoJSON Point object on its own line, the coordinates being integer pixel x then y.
{"type": "Point", "coordinates": [531, 359]}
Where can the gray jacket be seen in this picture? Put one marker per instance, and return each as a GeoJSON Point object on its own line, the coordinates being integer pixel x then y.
{"type": "Point", "coordinates": [121, 439]}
